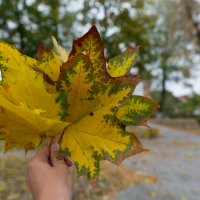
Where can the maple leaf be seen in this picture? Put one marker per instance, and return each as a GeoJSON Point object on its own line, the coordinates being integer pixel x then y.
{"type": "Point", "coordinates": [122, 63]}
{"type": "Point", "coordinates": [94, 97]}
{"type": "Point", "coordinates": [86, 98]}
{"type": "Point", "coordinates": [27, 111]}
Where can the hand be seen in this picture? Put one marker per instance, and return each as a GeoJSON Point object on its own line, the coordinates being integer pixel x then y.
{"type": "Point", "coordinates": [48, 177]}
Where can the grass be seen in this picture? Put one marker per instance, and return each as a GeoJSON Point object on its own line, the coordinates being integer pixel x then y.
{"type": "Point", "coordinates": [111, 180]}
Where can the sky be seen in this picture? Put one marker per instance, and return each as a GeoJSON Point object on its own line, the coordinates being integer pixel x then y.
{"type": "Point", "coordinates": [178, 89]}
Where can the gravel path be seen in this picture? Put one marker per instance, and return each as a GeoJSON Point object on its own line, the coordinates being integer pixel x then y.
{"type": "Point", "coordinates": [175, 160]}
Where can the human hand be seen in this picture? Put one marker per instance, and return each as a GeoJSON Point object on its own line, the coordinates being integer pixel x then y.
{"type": "Point", "coordinates": [48, 177]}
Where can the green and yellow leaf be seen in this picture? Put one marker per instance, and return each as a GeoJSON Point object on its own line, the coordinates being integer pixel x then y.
{"type": "Point", "coordinates": [76, 83]}
{"type": "Point", "coordinates": [91, 45]}
{"type": "Point", "coordinates": [136, 110]}
{"type": "Point", "coordinates": [89, 102]}
{"type": "Point", "coordinates": [102, 138]}
{"type": "Point", "coordinates": [94, 98]}
{"type": "Point", "coordinates": [121, 64]}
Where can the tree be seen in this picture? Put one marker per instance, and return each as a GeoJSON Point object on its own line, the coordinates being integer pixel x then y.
{"type": "Point", "coordinates": [170, 107]}
{"type": "Point", "coordinates": [169, 42]}
{"type": "Point", "coordinates": [25, 24]}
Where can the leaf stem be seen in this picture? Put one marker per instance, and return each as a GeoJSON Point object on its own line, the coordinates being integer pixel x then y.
{"type": "Point", "coordinates": [61, 136]}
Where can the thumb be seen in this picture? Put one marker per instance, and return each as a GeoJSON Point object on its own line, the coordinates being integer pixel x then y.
{"type": "Point", "coordinates": [55, 161]}
{"type": "Point", "coordinates": [43, 154]}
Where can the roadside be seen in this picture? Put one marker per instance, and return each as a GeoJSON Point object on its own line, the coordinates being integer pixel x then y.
{"type": "Point", "coordinates": [174, 160]}
{"type": "Point", "coordinates": [189, 125]}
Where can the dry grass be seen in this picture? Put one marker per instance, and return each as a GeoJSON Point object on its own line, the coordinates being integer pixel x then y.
{"type": "Point", "coordinates": [111, 180]}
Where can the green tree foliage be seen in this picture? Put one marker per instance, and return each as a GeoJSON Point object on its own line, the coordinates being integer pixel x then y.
{"type": "Point", "coordinates": [27, 23]}
{"type": "Point", "coordinates": [185, 106]}
{"type": "Point", "coordinates": [190, 107]}
{"type": "Point", "coordinates": [170, 106]}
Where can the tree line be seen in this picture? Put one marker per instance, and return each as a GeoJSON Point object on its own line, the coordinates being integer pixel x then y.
{"type": "Point", "coordinates": [167, 31]}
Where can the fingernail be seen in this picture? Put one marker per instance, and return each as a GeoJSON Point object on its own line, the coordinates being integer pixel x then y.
{"type": "Point", "coordinates": [68, 162]}
{"type": "Point", "coordinates": [55, 146]}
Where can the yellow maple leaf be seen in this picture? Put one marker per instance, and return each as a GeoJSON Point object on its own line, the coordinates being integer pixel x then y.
{"type": "Point", "coordinates": [27, 110]}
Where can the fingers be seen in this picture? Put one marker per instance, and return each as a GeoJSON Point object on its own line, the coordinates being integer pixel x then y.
{"type": "Point", "coordinates": [43, 154]}
{"type": "Point", "coordinates": [55, 161]}
{"type": "Point", "coordinates": [68, 162]}
{"type": "Point", "coordinates": [50, 155]}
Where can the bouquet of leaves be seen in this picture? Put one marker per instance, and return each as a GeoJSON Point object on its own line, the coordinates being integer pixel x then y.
{"type": "Point", "coordinates": [80, 99]}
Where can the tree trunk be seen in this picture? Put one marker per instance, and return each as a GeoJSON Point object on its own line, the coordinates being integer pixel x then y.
{"type": "Point", "coordinates": [163, 91]}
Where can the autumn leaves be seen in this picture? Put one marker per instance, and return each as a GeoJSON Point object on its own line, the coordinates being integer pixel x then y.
{"type": "Point", "coordinates": [41, 98]}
